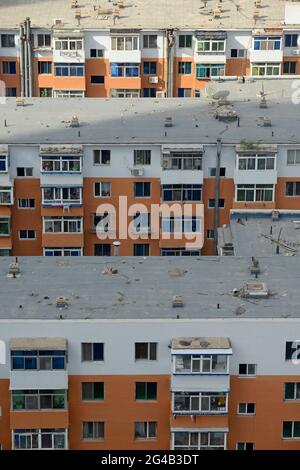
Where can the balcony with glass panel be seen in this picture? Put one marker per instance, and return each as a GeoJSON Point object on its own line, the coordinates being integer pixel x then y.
{"type": "Point", "coordinates": [256, 168]}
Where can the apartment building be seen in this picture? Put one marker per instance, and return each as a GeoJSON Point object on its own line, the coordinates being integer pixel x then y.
{"type": "Point", "coordinates": [62, 168]}
{"type": "Point", "coordinates": [98, 356]}
{"type": "Point", "coordinates": [156, 49]}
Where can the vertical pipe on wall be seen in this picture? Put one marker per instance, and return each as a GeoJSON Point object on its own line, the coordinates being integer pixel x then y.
{"type": "Point", "coordinates": [22, 70]}
{"type": "Point", "coordinates": [217, 195]}
{"type": "Point", "coordinates": [29, 57]}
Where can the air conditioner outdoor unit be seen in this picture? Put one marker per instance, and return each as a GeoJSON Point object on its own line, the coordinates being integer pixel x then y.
{"type": "Point", "coordinates": [160, 94]}
{"type": "Point", "coordinates": [296, 52]}
{"type": "Point", "coordinates": [153, 80]}
{"type": "Point", "coordinates": [57, 21]}
{"type": "Point", "coordinates": [137, 172]}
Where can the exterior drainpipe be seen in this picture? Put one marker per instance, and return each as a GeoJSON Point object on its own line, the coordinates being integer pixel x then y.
{"type": "Point", "coordinates": [29, 57]}
{"type": "Point", "coordinates": [217, 195]}
{"type": "Point", "coordinates": [22, 71]}
{"type": "Point", "coordinates": [170, 61]}
{"type": "Point", "coordinates": [26, 90]}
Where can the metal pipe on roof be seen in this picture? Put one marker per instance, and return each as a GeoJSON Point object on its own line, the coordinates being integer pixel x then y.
{"type": "Point", "coordinates": [22, 71]}
{"type": "Point", "coordinates": [29, 57]}
{"type": "Point", "coordinates": [170, 61]}
{"type": "Point", "coordinates": [217, 195]}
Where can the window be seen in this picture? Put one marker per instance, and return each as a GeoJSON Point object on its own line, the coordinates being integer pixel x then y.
{"type": "Point", "coordinates": [255, 192]}
{"type": "Point", "coordinates": [25, 171]}
{"type": "Point", "coordinates": [185, 40]}
{"type": "Point", "coordinates": [9, 68]}
{"type": "Point", "coordinates": [210, 46]}
{"type": "Point", "coordinates": [102, 249]}
{"type": "Point", "coordinates": [293, 157]}
{"type": "Point", "coordinates": [210, 234]}
{"type": "Point", "coordinates": [289, 67]}
{"type": "Point", "coordinates": [200, 402]}
{"type": "Point", "coordinates": [145, 430]}
{"type": "Point", "coordinates": [96, 53]}
{"type": "Point", "coordinates": [195, 440]}
{"type": "Point", "coordinates": [178, 252]}
{"type": "Point", "coordinates": [146, 391]}
{"type": "Point", "coordinates": [69, 44]}
{"type": "Point", "coordinates": [102, 223]}
{"type": "Point", "coordinates": [185, 68]}
{"type": "Point", "coordinates": [150, 41]}
{"type": "Point", "coordinates": [292, 188]}
{"type": "Point", "coordinates": [146, 351]}
{"type": "Point", "coordinates": [10, 92]}
{"type": "Point", "coordinates": [149, 92]}
{"type": "Point", "coordinates": [238, 53]}
{"type": "Point", "coordinates": [97, 79]}
{"type": "Point", "coordinates": [102, 189]}
{"type": "Point", "coordinates": [256, 162]}
{"type": "Point", "coordinates": [27, 234]}
{"type": "Point", "coordinates": [292, 350]}
{"type": "Point", "coordinates": [39, 400]}
{"type": "Point", "coordinates": [291, 430]}
{"type": "Point", "coordinates": [93, 430]}
{"type": "Point", "coordinates": [44, 40]}
{"type": "Point", "coordinates": [291, 40]}
{"type": "Point", "coordinates": [3, 163]}
{"type": "Point", "coordinates": [183, 161]}
{"type": "Point", "coordinates": [74, 251]}
{"type": "Point", "coordinates": [38, 360]}
{"type": "Point", "coordinates": [26, 203]}
{"type": "Point", "coordinates": [205, 71]}
{"type": "Point", "coordinates": [142, 222]}
{"type": "Point", "coordinates": [200, 364]}
{"type": "Point", "coordinates": [39, 439]}
{"type": "Point", "coordinates": [213, 171]}
{"type": "Point", "coordinates": [7, 40]}
{"type": "Point", "coordinates": [292, 391]}
{"type": "Point", "coordinates": [149, 68]}
{"type": "Point", "coordinates": [69, 70]}
{"type": "Point", "coordinates": [62, 195]}
{"type": "Point", "coordinates": [46, 92]}
{"type": "Point", "coordinates": [211, 203]}
{"type": "Point", "coordinates": [91, 352]}
{"type": "Point", "coordinates": [61, 164]}
{"type": "Point", "coordinates": [142, 189]}
{"type": "Point", "coordinates": [142, 157]}
{"type": "Point", "coordinates": [62, 224]}
{"type": "Point", "coordinates": [247, 370]}
{"type": "Point", "coordinates": [92, 391]}
{"type": "Point", "coordinates": [246, 409]}
{"type": "Point", "coordinates": [265, 43]}
{"type": "Point", "coordinates": [265, 69]}
{"type": "Point", "coordinates": [127, 70]}
{"type": "Point", "coordinates": [181, 192]}
{"type": "Point", "coordinates": [68, 94]}
{"type": "Point", "coordinates": [141, 249]}
{"type": "Point", "coordinates": [4, 226]}
{"type": "Point", "coordinates": [124, 43]}
{"type": "Point", "coordinates": [45, 67]}
{"type": "Point", "coordinates": [181, 224]}
{"type": "Point", "coordinates": [101, 157]}
{"type": "Point", "coordinates": [124, 93]}
{"type": "Point", "coordinates": [245, 446]}
{"type": "Point", "coordinates": [184, 92]}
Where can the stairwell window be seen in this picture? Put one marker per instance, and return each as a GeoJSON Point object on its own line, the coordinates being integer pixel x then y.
{"type": "Point", "coordinates": [245, 446]}
{"type": "Point", "coordinates": [45, 68]}
{"type": "Point", "coordinates": [150, 41]}
{"type": "Point", "coordinates": [146, 391]}
{"type": "Point", "coordinates": [293, 157]}
{"type": "Point", "coordinates": [292, 188]}
{"type": "Point", "coordinates": [141, 249]}
{"type": "Point", "coordinates": [92, 391]}
{"type": "Point", "coordinates": [149, 68]}
{"type": "Point", "coordinates": [93, 430]}
{"type": "Point", "coordinates": [27, 234]}
{"type": "Point", "coordinates": [145, 351]}
{"type": "Point", "coordinates": [247, 370]}
{"type": "Point", "coordinates": [142, 189]}
{"type": "Point", "coordinates": [3, 163]}
{"type": "Point", "coordinates": [44, 40]}
{"type": "Point", "coordinates": [289, 67]}
{"type": "Point", "coordinates": [101, 157]}
{"type": "Point", "coordinates": [4, 226]}
{"type": "Point", "coordinates": [102, 189]}
{"type": "Point", "coordinates": [246, 409]}
{"type": "Point", "coordinates": [145, 430]}
{"type": "Point", "coordinates": [25, 172]}
{"type": "Point", "coordinates": [292, 391]}
{"type": "Point", "coordinates": [124, 43]}
{"type": "Point", "coordinates": [8, 40]}
{"type": "Point", "coordinates": [291, 40]}
{"type": "Point", "coordinates": [185, 40]}
{"type": "Point", "coordinates": [184, 68]}
{"type": "Point", "coordinates": [92, 352]}
{"type": "Point", "coordinates": [142, 157]}
{"type": "Point", "coordinates": [9, 68]}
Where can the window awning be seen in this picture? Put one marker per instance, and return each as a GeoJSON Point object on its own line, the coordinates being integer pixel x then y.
{"type": "Point", "coordinates": [67, 35]}
{"type": "Point", "coordinates": [211, 35]}
{"type": "Point", "coordinates": [44, 344]}
{"type": "Point", "coordinates": [125, 32]}
{"type": "Point", "coordinates": [61, 150]}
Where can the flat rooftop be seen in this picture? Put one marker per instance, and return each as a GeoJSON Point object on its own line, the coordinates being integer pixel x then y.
{"type": "Point", "coordinates": [258, 234]}
{"type": "Point", "coordinates": [157, 14]}
{"type": "Point", "coordinates": [132, 121]}
{"type": "Point", "coordinates": [143, 288]}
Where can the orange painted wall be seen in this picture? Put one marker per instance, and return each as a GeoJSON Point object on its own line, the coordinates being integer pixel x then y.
{"type": "Point", "coordinates": [237, 67]}
{"type": "Point", "coordinates": [293, 59]}
{"type": "Point", "coordinates": [5, 434]}
{"type": "Point", "coordinates": [119, 411]}
{"type": "Point", "coordinates": [11, 81]}
{"type": "Point", "coordinates": [42, 80]}
{"type": "Point", "coordinates": [160, 73]}
{"type": "Point", "coordinates": [97, 67]}
{"type": "Point", "coordinates": [39, 419]}
{"type": "Point", "coordinates": [283, 201]}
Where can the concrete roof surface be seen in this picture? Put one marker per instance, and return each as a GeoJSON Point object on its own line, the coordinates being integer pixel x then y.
{"type": "Point", "coordinates": [156, 14]}
{"type": "Point", "coordinates": [115, 121]}
{"type": "Point", "coordinates": [144, 288]}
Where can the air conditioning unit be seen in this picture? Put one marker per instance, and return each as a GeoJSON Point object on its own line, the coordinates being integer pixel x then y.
{"type": "Point", "coordinates": [137, 172]}
{"type": "Point", "coordinates": [160, 94]}
{"type": "Point", "coordinates": [57, 22]}
{"type": "Point", "coordinates": [295, 52]}
{"type": "Point", "coordinates": [165, 163]}
{"type": "Point", "coordinates": [153, 80]}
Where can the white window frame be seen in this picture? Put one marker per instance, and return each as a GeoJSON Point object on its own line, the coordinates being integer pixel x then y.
{"type": "Point", "coordinates": [103, 194]}
{"type": "Point", "coordinates": [143, 155]}
{"type": "Point", "coordinates": [26, 238]}
{"type": "Point", "coordinates": [199, 446]}
{"type": "Point", "coordinates": [124, 43]}
{"type": "Point", "coordinates": [254, 188]}
{"type": "Point", "coordinates": [147, 43]}
{"type": "Point", "coordinates": [6, 221]}
{"type": "Point", "coordinates": [246, 413]}
{"type": "Point", "coordinates": [147, 425]}
{"type": "Point", "coordinates": [4, 157]}
{"type": "Point", "coordinates": [57, 162]}
{"type": "Point", "coordinates": [201, 359]}
{"type": "Point", "coordinates": [296, 157]}
{"type": "Point", "coordinates": [63, 251]}
{"type": "Point", "coordinates": [61, 223]}
{"type": "Point", "coordinates": [27, 206]}
{"type": "Point", "coordinates": [5, 190]}
{"type": "Point", "coordinates": [38, 432]}
{"type": "Point", "coordinates": [95, 424]}
{"type": "Point", "coordinates": [211, 46]}
{"type": "Point", "coordinates": [264, 68]}
{"type": "Point", "coordinates": [68, 44]}
{"type": "Point", "coordinates": [247, 374]}
{"type": "Point", "coordinates": [68, 93]}
{"type": "Point", "coordinates": [200, 397]}
{"type": "Point", "coordinates": [255, 158]}
{"type": "Point", "coordinates": [58, 199]}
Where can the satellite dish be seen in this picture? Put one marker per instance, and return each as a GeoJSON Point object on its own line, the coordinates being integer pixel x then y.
{"type": "Point", "coordinates": [221, 95]}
